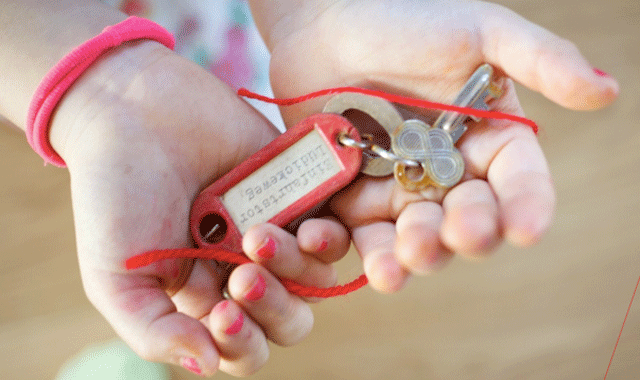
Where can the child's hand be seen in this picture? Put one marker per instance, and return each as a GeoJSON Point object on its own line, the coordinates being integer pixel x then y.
{"type": "Point", "coordinates": [142, 132]}
{"type": "Point", "coordinates": [428, 49]}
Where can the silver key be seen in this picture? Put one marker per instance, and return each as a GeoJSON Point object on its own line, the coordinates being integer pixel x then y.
{"type": "Point", "coordinates": [384, 113]}
{"type": "Point", "coordinates": [475, 94]}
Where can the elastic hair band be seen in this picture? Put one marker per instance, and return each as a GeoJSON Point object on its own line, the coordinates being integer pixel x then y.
{"type": "Point", "coordinates": [58, 80]}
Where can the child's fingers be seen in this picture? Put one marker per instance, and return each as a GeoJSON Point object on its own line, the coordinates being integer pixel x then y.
{"type": "Point", "coordinates": [201, 292]}
{"type": "Point", "coordinates": [325, 239]}
{"type": "Point", "coordinates": [369, 199]}
{"type": "Point", "coordinates": [278, 251]}
{"type": "Point", "coordinates": [523, 187]}
{"type": "Point", "coordinates": [509, 156]}
{"type": "Point", "coordinates": [142, 313]}
{"type": "Point", "coordinates": [470, 225]}
{"type": "Point", "coordinates": [375, 244]}
{"type": "Point", "coordinates": [544, 62]}
{"type": "Point", "coordinates": [418, 247]}
{"type": "Point", "coordinates": [242, 344]}
{"type": "Point", "coordinates": [285, 319]}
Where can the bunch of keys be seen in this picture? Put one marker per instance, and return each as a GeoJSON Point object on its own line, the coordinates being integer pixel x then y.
{"type": "Point", "coordinates": [441, 164]}
{"type": "Point", "coordinates": [323, 153]}
{"type": "Point", "coordinates": [421, 155]}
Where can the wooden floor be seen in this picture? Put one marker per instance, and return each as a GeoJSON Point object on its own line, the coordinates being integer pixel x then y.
{"type": "Point", "coordinates": [550, 312]}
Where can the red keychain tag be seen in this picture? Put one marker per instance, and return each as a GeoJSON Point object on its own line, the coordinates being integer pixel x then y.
{"type": "Point", "coordinates": [277, 184]}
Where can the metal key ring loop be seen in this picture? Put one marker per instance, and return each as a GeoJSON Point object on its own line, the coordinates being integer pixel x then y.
{"type": "Point", "coordinates": [224, 269]}
{"type": "Point", "coordinates": [348, 141]}
{"type": "Point", "coordinates": [345, 140]}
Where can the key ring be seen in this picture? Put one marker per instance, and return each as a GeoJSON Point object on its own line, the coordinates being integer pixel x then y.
{"type": "Point", "coordinates": [348, 141]}
{"type": "Point", "coordinates": [225, 269]}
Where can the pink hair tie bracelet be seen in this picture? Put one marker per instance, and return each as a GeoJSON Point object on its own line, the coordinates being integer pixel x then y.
{"type": "Point", "coordinates": [58, 80]}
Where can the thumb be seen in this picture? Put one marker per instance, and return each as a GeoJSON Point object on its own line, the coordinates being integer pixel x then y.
{"type": "Point", "coordinates": [544, 62]}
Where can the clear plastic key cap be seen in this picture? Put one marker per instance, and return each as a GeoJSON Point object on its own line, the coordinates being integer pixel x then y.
{"type": "Point", "coordinates": [441, 163]}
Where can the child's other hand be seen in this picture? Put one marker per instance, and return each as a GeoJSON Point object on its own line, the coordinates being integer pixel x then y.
{"type": "Point", "coordinates": [142, 132]}
{"type": "Point", "coordinates": [428, 49]}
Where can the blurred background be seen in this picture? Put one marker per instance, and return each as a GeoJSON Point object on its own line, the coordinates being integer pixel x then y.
{"type": "Point", "coordinates": [553, 311]}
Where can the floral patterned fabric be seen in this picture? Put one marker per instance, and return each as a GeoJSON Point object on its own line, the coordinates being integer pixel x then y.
{"type": "Point", "coordinates": [219, 35]}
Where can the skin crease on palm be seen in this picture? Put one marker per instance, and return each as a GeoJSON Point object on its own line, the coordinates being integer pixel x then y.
{"type": "Point", "coordinates": [143, 131]}
{"type": "Point", "coordinates": [428, 50]}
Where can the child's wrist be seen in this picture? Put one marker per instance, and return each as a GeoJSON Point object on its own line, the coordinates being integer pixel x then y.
{"type": "Point", "coordinates": [62, 77]}
{"type": "Point", "coordinates": [102, 86]}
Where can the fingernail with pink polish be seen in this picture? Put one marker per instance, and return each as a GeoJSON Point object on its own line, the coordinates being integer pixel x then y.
{"type": "Point", "coordinates": [268, 249]}
{"type": "Point", "coordinates": [258, 289]}
{"type": "Point", "coordinates": [600, 73]}
{"type": "Point", "coordinates": [222, 305]}
{"type": "Point", "coordinates": [236, 326]}
{"type": "Point", "coordinates": [191, 364]}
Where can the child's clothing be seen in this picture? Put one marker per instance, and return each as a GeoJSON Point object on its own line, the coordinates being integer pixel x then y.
{"type": "Point", "coordinates": [219, 35]}
{"type": "Point", "coordinates": [112, 360]}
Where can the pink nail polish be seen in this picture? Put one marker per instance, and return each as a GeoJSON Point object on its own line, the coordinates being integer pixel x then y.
{"type": "Point", "coordinates": [601, 73]}
{"type": "Point", "coordinates": [191, 364]}
{"type": "Point", "coordinates": [258, 289]}
{"type": "Point", "coordinates": [236, 326]}
{"type": "Point", "coordinates": [268, 249]}
{"type": "Point", "coordinates": [323, 246]}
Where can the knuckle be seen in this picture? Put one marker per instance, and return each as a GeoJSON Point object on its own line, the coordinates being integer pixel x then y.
{"type": "Point", "coordinates": [92, 297]}
{"type": "Point", "coordinates": [295, 325]}
{"type": "Point", "coordinates": [248, 363]}
{"type": "Point", "coordinates": [567, 47]}
{"type": "Point", "coordinates": [258, 361]}
{"type": "Point", "coordinates": [145, 351]}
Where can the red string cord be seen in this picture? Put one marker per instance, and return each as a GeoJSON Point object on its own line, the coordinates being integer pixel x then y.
{"type": "Point", "coordinates": [295, 288]}
{"type": "Point", "coordinates": [622, 328]}
{"type": "Point", "coordinates": [237, 258]}
{"type": "Point", "coordinates": [394, 99]}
